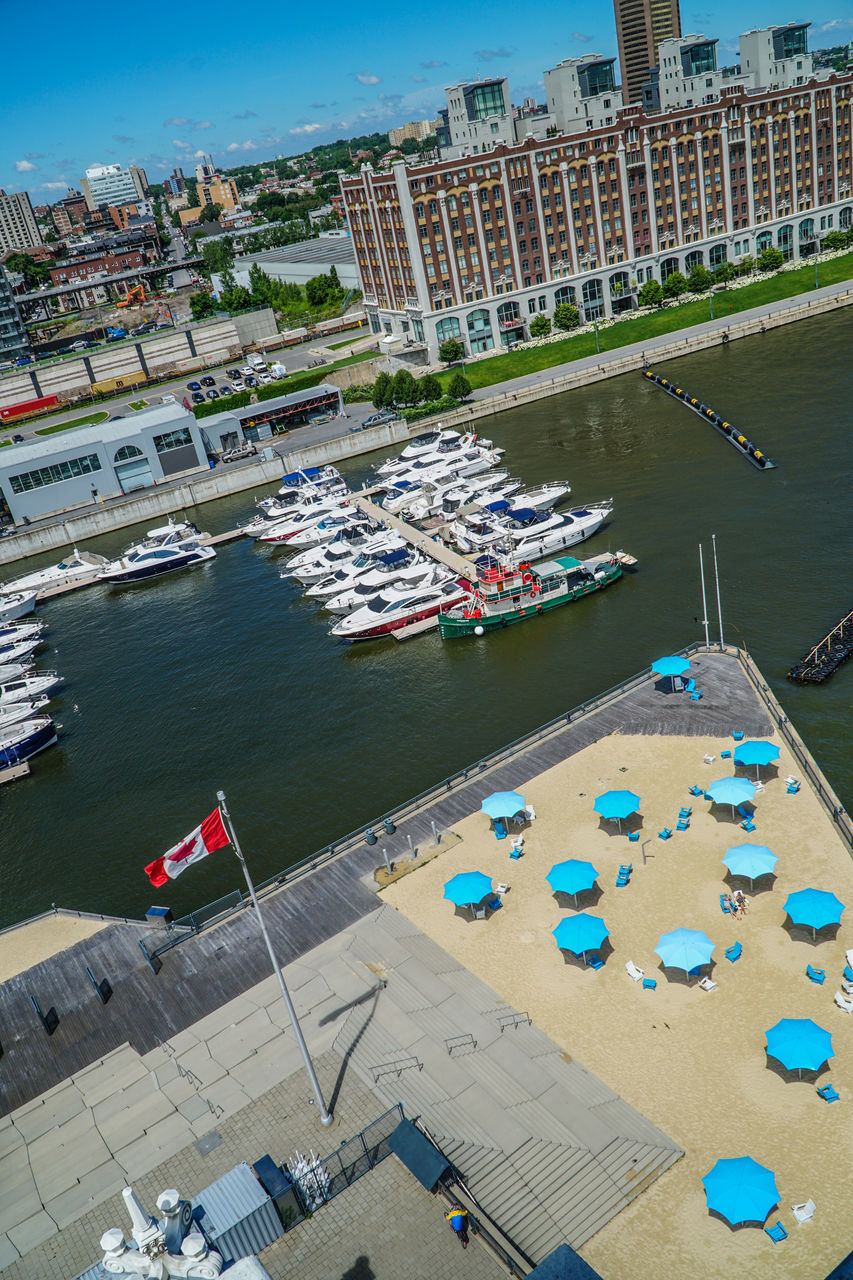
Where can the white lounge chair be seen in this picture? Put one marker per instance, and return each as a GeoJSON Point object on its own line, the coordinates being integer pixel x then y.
{"type": "Point", "coordinates": [790, 778]}
{"type": "Point", "coordinates": [530, 813]}
{"type": "Point", "coordinates": [850, 957]}
{"type": "Point", "coordinates": [709, 759]}
{"type": "Point", "coordinates": [633, 971]}
{"type": "Point", "coordinates": [759, 786]}
{"type": "Point", "coordinates": [502, 889]}
{"type": "Point", "coordinates": [707, 984]}
{"type": "Point", "coordinates": [479, 913]}
{"type": "Point", "coordinates": [802, 1212]}
{"type": "Point", "coordinates": [846, 1005]}
{"type": "Point", "coordinates": [848, 986]}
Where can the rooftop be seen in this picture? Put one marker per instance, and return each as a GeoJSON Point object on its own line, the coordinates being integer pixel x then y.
{"type": "Point", "coordinates": [101, 433]}
{"type": "Point", "coordinates": [322, 250]}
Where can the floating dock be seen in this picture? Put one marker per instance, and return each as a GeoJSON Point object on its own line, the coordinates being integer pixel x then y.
{"type": "Point", "coordinates": [430, 545]}
{"type": "Point", "coordinates": [726, 430]}
{"type": "Point", "coordinates": [15, 771]}
{"type": "Point", "coordinates": [827, 655]}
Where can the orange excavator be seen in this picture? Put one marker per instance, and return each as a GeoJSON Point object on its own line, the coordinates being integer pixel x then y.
{"type": "Point", "coordinates": [137, 293]}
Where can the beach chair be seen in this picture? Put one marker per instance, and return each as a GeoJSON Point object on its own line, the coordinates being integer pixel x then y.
{"type": "Point", "coordinates": [708, 984]}
{"type": "Point", "coordinates": [803, 1212]}
{"type": "Point", "coordinates": [494, 904]}
{"type": "Point", "coordinates": [516, 851]}
{"type": "Point", "coordinates": [777, 1233]}
{"type": "Point", "coordinates": [848, 987]}
{"type": "Point", "coordinates": [594, 960]}
{"type": "Point", "coordinates": [790, 778]}
{"type": "Point", "coordinates": [792, 788]}
{"type": "Point", "coordinates": [846, 1005]}
{"type": "Point", "coordinates": [682, 824]}
{"type": "Point", "coordinates": [725, 904]}
{"type": "Point", "coordinates": [828, 1093]}
{"type": "Point", "coordinates": [529, 813]}
{"type": "Point", "coordinates": [709, 759]}
{"type": "Point", "coordinates": [621, 881]}
{"type": "Point", "coordinates": [633, 836]}
{"type": "Point", "coordinates": [500, 830]}
{"type": "Point", "coordinates": [696, 696]}
{"type": "Point", "coordinates": [685, 811]}
{"type": "Point", "coordinates": [695, 791]}
{"type": "Point", "coordinates": [626, 868]}
{"type": "Point", "coordinates": [725, 755]}
{"type": "Point", "coordinates": [748, 824]}
{"type": "Point", "coordinates": [502, 888]}
{"type": "Point", "coordinates": [665, 834]}
{"type": "Point", "coordinates": [479, 913]}
{"type": "Point", "coordinates": [848, 956]}
{"type": "Point", "coordinates": [649, 984]}
{"type": "Point", "coordinates": [690, 685]}
{"type": "Point", "coordinates": [635, 973]}
{"type": "Point", "coordinates": [737, 734]}
{"type": "Point", "coordinates": [848, 973]}
{"type": "Point", "coordinates": [816, 975]}
{"type": "Point", "coordinates": [734, 952]}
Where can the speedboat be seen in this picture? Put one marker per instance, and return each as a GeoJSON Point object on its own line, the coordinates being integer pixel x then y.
{"type": "Point", "coordinates": [149, 559]}
{"type": "Point", "coordinates": [287, 526]}
{"type": "Point", "coordinates": [14, 670]}
{"type": "Point", "coordinates": [169, 535]}
{"type": "Point", "coordinates": [442, 449]}
{"type": "Point", "coordinates": [392, 584]}
{"type": "Point", "coordinates": [458, 462]}
{"type": "Point", "coordinates": [306, 504]}
{"type": "Point", "coordinates": [14, 712]}
{"type": "Point", "coordinates": [537, 535]}
{"type": "Point", "coordinates": [322, 531]}
{"type": "Point", "coordinates": [362, 568]}
{"type": "Point", "coordinates": [17, 605]}
{"type": "Point", "coordinates": [14, 632]}
{"type": "Point", "coordinates": [21, 741]}
{"type": "Point", "coordinates": [428, 442]}
{"type": "Point", "coordinates": [396, 497]}
{"type": "Point", "coordinates": [543, 497]}
{"type": "Point", "coordinates": [80, 564]}
{"type": "Point", "coordinates": [388, 612]}
{"type": "Point", "coordinates": [431, 498]}
{"type": "Point", "coordinates": [280, 503]}
{"type": "Point", "coordinates": [27, 686]}
{"type": "Point", "coordinates": [341, 558]}
{"type": "Point", "coordinates": [310, 477]}
{"type": "Point", "coordinates": [19, 652]}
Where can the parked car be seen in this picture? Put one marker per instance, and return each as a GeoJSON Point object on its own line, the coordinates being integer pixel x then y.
{"type": "Point", "coordinates": [375, 419]}
{"type": "Point", "coordinates": [251, 380]}
{"type": "Point", "coordinates": [198, 398]}
{"type": "Point", "coordinates": [265, 379]}
{"type": "Point", "coordinates": [245, 450]}
{"type": "Point", "coordinates": [193, 386]}
{"type": "Point", "coordinates": [233, 373]}
{"type": "Point", "coordinates": [17, 439]}
{"type": "Point", "coordinates": [80, 345]}
{"type": "Point", "coordinates": [225, 390]}
{"type": "Point", "coordinates": [213, 394]}
{"type": "Point", "coordinates": [239, 384]}
{"type": "Point", "coordinates": [208, 382]}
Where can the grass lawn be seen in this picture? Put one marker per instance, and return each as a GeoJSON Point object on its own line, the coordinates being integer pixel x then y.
{"type": "Point", "coordinates": [90, 418]}
{"type": "Point", "coordinates": [335, 346]}
{"type": "Point", "coordinates": [653, 323]}
{"type": "Point", "coordinates": [138, 404]}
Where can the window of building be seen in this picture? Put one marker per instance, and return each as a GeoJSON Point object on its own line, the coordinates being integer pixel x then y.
{"type": "Point", "coordinates": [42, 476]}
{"type": "Point", "coordinates": [173, 440]}
{"type": "Point", "coordinates": [126, 452]}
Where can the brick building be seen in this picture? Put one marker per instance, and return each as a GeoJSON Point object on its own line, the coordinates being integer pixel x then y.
{"type": "Point", "coordinates": [84, 270]}
{"type": "Point", "coordinates": [474, 247]}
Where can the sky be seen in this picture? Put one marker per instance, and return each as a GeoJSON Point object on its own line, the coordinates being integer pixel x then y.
{"type": "Point", "coordinates": [161, 87]}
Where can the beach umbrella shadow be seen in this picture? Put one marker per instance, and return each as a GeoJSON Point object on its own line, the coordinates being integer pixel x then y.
{"type": "Point", "coordinates": [761, 884]}
{"type": "Point", "coordinates": [621, 827]}
{"type": "Point", "coordinates": [792, 1074]}
{"type": "Point", "coordinates": [578, 962]}
{"type": "Point", "coordinates": [740, 1226]}
{"type": "Point", "coordinates": [578, 901]}
{"type": "Point", "coordinates": [804, 932]}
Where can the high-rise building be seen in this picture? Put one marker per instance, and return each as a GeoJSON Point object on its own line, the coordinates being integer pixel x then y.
{"type": "Point", "coordinates": [415, 129]}
{"type": "Point", "coordinates": [18, 227]}
{"type": "Point", "coordinates": [640, 27]}
{"type": "Point", "coordinates": [107, 184]}
{"type": "Point", "coordinates": [205, 171]}
{"type": "Point", "coordinates": [13, 334]}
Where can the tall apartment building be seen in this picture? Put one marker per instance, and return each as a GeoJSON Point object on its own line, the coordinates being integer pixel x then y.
{"type": "Point", "coordinates": [18, 227]}
{"type": "Point", "coordinates": [107, 184]}
{"type": "Point", "coordinates": [69, 213]}
{"type": "Point", "coordinates": [416, 130]}
{"type": "Point", "coordinates": [221, 191]}
{"type": "Point", "coordinates": [478, 117]}
{"type": "Point", "coordinates": [581, 93]}
{"type": "Point", "coordinates": [687, 73]}
{"type": "Point", "coordinates": [13, 334]}
{"type": "Point", "coordinates": [205, 171]}
{"type": "Point", "coordinates": [640, 27]}
{"type": "Point", "coordinates": [473, 247]}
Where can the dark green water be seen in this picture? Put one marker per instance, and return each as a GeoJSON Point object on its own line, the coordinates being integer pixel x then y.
{"type": "Point", "coordinates": [225, 677]}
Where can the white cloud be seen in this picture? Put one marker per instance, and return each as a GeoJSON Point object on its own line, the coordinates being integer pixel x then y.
{"type": "Point", "coordinates": [199, 155]}
{"type": "Point", "coordinates": [53, 186]}
{"type": "Point", "coordinates": [837, 24]}
{"type": "Point", "coordinates": [24, 166]}
{"type": "Point", "coordinates": [367, 77]}
{"type": "Point", "coordinates": [248, 145]}
{"type": "Point", "coordinates": [307, 128]}
{"type": "Point", "coordinates": [177, 121]}
{"type": "Point", "coordinates": [180, 145]}
{"type": "Point", "coordinates": [202, 124]}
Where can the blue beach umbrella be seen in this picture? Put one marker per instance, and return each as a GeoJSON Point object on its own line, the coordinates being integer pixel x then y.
{"type": "Point", "coordinates": [502, 804]}
{"type": "Point", "coordinates": [580, 933]}
{"type": "Point", "coordinates": [750, 860]}
{"type": "Point", "coordinates": [572, 876]}
{"type": "Point", "coordinates": [468, 887]}
{"type": "Point", "coordinates": [616, 804]}
{"type": "Point", "coordinates": [731, 791]}
{"type": "Point", "coordinates": [813, 908]}
{"type": "Point", "coordinates": [684, 949]}
{"type": "Point", "coordinates": [799, 1043]}
{"type": "Point", "coordinates": [741, 1190]}
{"type": "Point", "coordinates": [671, 666]}
{"type": "Point", "coordinates": [757, 753]}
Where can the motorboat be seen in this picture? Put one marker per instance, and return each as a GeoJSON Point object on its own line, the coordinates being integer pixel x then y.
{"type": "Point", "coordinates": [394, 583]}
{"type": "Point", "coordinates": [345, 559]}
{"type": "Point", "coordinates": [14, 632]}
{"type": "Point", "coordinates": [364, 567]}
{"type": "Point", "coordinates": [533, 535]}
{"type": "Point", "coordinates": [542, 497]}
{"type": "Point", "coordinates": [308, 505]}
{"type": "Point", "coordinates": [22, 741]}
{"type": "Point", "coordinates": [26, 709]}
{"type": "Point", "coordinates": [310, 477]}
{"type": "Point", "coordinates": [287, 527]}
{"type": "Point", "coordinates": [280, 503]}
{"type": "Point", "coordinates": [428, 442]}
{"type": "Point", "coordinates": [389, 612]}
{"type": "Point", "coordinates": [151, 559]}
{"type": "Point", "coordinates": [27, 686]}
{"type": "Point", "coordinates": [396, 497]}
{"type": "Point", "coordinates": [462, 463]}
{"type": "Point", "coordinates": [18, 652]}
{"type": "Point", "coordinates": [14, 670]}
{"type": "Point", "coordinates": [348, 541]}
{"type": "Point", "coordinates": [429, 501]}
{"type": "Point", "coordinates": [169, 535]}
{"type": "Point", "coordinates": [17, 605]}
{"type": "Point", "coordinates": [442, 449]}
{"type": "Point", "coordinates": [80, 564]}
{"type": "Point", "coordinates": [322, 531]}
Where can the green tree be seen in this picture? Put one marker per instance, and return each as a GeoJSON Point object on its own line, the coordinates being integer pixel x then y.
{"type": "Point", "coordinates": [460, 387]}
{"type": "Point", "coordinates": [201, 306]}
{"type": "Point", "coordinates": [651, 294]}
{"type": "Point", "coordinates": [429, 387]}
{"type": "Point", "coordinates": [770, 259]}
{"type": "Point", "coordinates": [674, 285]}
{"type": "Point", "coordinates": [566, 316]}
{"type": "Point", "coordinates": [210, 213]}
{"type": "Point", "coordinates": [540, 327]}
{"type": "Point", "coordinates": [383, 391]}
{"type": "Point", "coordinates": [835, 240]}
{"type": "Point", "coordinates": [236, 299]}
{"type": "Point", "coordinates": [217, 255]}
{"type": "Point", "coordinates": [34, 273]}
{"type": "Point", "coordinates": [725, 272]}
{"type": "Point", "coordinates": [405, 387]}
{"type": "Point", "coordinates": [746, 266]}
{"type": "Point", "coordinates": [699, 279]}
{"type": "Point", "coordinates": [450, 351]}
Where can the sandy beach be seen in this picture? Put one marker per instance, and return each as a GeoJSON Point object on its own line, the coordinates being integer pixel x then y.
{"type": "Point", "coordinates": [692, 1061]}
{"type": "Point", "coordinates": [32, 943]}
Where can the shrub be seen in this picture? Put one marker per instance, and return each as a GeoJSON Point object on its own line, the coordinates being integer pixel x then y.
{"type": "Point", "coordinates": [405, 387]}
{"type": "Point", "coordinates": [770, 259]}
{"type": "Point", "coordinates": [460, 387]}
{"type": "Point", "coordinates": [674, 285]}
{"type": "Point", "coordinates": [451, 351]}
{"type": "Point", "coordinates": [540, 327]}
{"type": "Point", "coordinates": [651, 294]}
{"type": "Point", "coordinates": [699, 279]}
{"type": "Point", "coordinates": [566, 316]}
{"type": "Point", "coordinates": [429, 388]}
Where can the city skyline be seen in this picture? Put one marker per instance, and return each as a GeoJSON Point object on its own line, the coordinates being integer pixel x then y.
{"type": "Point", "coordinates": [182, 94]}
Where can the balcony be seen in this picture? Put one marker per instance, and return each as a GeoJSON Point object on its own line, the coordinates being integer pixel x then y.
{"type": "Point", "coordinates": [506, 325]}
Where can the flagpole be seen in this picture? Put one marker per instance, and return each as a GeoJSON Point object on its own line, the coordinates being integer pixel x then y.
{"type": "Point", "coordinates": [704, 600]}
{"type": "Point", "coordinates": [717, 576]}
{"type": "Point", "coordinates": [326, 1117]}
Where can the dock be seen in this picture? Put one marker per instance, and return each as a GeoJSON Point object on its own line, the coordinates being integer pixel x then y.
{"type": "Point", "coordinates": [430, 546]}
{"type": "Point", "coordinates": [416, 629]}
{"type": "Point", "coordinates": [738, 441]}
{"type": "Point", "coordinates": [824, 659]}
{"type": "Point", "coordinates": [14, 771]}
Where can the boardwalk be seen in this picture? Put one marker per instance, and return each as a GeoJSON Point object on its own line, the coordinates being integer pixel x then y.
{"type": "Point", "coordinates": [430, 546]}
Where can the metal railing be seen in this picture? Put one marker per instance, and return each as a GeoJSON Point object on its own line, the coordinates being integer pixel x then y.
{"type": "Point", "coordinates": [396, 1068]}
{"type": "Point", "coordinates": [358, 1155]}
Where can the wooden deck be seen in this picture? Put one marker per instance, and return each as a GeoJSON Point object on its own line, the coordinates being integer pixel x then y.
{"type": "Point", "coordinates": [430, 546]}
{"type": "Point", "coordinates": [206, 971]}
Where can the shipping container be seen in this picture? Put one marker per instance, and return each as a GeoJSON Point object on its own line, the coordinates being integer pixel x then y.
{"type": "Point", "coordinates": [28, 406]}
{"type": "Point", "coordinates": [127, 382]}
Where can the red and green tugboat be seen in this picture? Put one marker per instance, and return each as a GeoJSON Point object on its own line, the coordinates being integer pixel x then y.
{"type": "Point", "coordinates": [504, 594]}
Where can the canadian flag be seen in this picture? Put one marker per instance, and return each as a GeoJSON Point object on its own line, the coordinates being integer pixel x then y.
{"type": "Point", "coordinates": [207, 838]}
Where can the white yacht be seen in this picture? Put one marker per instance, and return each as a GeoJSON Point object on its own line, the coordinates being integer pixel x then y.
{"type": "Point", "coordinates": [27, 687]}
{"type": "Point", "coordinates": [320, 532]}
{"type": "Point", "coordinates": [171, 547]}
{"type": "Point", "coordinates": [17, 605]}
{"type": "Point", "coordinates": [467, 462]}
{"type": "Point", "coordinates": [26, 738]}
{"type": "Point", "coordinates": [286, 527]}
{"type": "Point", "coordinates": [307, 505]}
{"type": "Point", "coordinates": [26, 709]}
{"type": "Point", "coordinates": [364, 566]}
{"type": "Point", "coordinates": [19, 652]}
{"type": "Point", "coordinates": [429, 501]}
{"type": "Point", "coordinates": [15, 632]}
{"type": "Point", "coordinates": [340, 555]}
{"type": "Point", "coordinates": [310, 477]}
{"type": "Point", "coordinates": [279, 504]}
{"type": "Point", "coordinates": [525, 534]}
{"type": "Point", "coordinates": [390, 611]}
{"type": "Point", "coordinates": [428, 442]}
{"type": "Point", "coordinates": [441, 449]}
{"type": "Point", "coordinates": [80, 564]}
{"type": "Point", "coordinates": [393, 584]}
{"type": "Point", "coordinates": [14, 670]}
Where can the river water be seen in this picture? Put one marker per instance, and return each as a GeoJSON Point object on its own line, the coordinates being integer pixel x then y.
{"type": "Point", "coordinates": [224, 676]}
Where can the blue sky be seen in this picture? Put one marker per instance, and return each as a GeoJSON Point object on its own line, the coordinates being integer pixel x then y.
{"type": "Point", "coordinates": [158, 87]}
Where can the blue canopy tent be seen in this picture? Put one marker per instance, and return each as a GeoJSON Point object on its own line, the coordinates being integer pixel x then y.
{"type": "Point", "coordinates": [741, 1190]}
{"type": "Point", "coordinates": [616, 805]}
{"type": "Point", "coordinates": [572, 877]}
{"type": "Point", "coordinates": [731, 791]}
{"type": "Point", "coordinates": [684, 949]}
{"type": "Point", "coordinates": [671, 666]}
{"type": "Point", "coordinates": [813, 908]}
{"type": "Point", "coordinates": [750, 860]}
{"type": "Point", "coordinates": [799, 1043]}
{"type": "Point", "coordinates": [467, 888]}
{"type": "Point", "coordinates": [757, 753]}
{"type": "Point", "coordinates": [580, 933]}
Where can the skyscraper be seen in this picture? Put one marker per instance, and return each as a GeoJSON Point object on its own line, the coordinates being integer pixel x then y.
{"type": "Point", "coordinates": [640, 27]}
{"type": "Point", "coordinates": [18, 228]}
{"type": "Point", "coordinates": [14, 340]}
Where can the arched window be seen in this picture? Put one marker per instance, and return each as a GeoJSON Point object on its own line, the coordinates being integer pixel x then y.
{"type": "Point", "coordinates": [621, 298]}
{"type": "Point", "coordinates": [480, 331]}
{"type": "Point", "coordinates": [717, 255]}
{"type": "Point", "coordinates": [565, 293]}
{"type": "Point", "coordinates": [509, 313]}
{"type": "Point", "coordinates": [593, 299]}
{"type": "Point", "coordinates": [695, 258]}
{"type": "Point", "coordinates": [785, 239]}
{"type": "Point", "coordinates": [667, 267]}
{"type": "Point", "coordinates": [845, 218]}
{"type": "Point", "coordinates": [806, 229]}
{"type": "Point", "coordinates": [126, 452]}
{"type": "Point", "coordinates": [764, 240]}
{"type": "Point", "coordinates": [448, 328]}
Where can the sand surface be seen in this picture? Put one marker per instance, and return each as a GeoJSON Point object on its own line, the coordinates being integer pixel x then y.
{"type": "Point", "coordinates": [692, 1061]}
{"type": "Point", "coordinates": [21, 948]}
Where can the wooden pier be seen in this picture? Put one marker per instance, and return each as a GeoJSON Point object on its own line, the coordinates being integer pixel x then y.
{"type": "Point", "coordinates": [430, 546]}
{"type": "Point", "coordinates": [824, 659]}
{"type": "Point", "coordinates": [14, 771]}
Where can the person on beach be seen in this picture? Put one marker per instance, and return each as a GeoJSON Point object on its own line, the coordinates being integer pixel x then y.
{"type": "Point", "coordinates": [458, 1219]}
